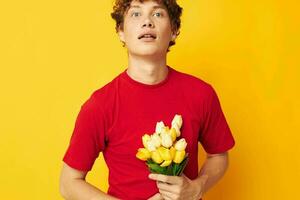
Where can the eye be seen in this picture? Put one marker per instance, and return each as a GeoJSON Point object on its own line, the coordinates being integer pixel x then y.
{"type": "Point", "coordinates": [157, 14]}
{"type": "Point", "coordinates": [135, 14]}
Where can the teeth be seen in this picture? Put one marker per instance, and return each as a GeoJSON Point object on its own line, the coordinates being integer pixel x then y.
{"type": "Point", "coordinates": [147, 36]}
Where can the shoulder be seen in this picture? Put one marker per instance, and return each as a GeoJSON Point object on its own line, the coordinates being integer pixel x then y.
{"type": "Point", "coordinates": [195, 83]}
{"type": "Point", "coordinates": [108, 90]}
{"type": "Point", "coordinates": [104, 96]}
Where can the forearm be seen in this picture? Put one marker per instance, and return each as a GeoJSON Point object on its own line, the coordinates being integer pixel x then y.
{"type": "Point", "coordinates": [212, 171]}
{"type": "Point", "coordinates": [79, 189]}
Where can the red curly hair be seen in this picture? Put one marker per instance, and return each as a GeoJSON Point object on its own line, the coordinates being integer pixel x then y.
{"type": "Point", "coordinates": [173, 9]}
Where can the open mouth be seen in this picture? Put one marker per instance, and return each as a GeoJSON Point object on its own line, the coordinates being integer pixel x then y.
{"type": "Point", "coordinates": [151, 36]}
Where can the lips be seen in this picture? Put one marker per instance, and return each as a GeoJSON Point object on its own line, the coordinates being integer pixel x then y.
{"type": "Point", "coordinates": [147, 35]}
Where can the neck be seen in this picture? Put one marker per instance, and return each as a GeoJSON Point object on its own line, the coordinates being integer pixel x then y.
{"type": "Point", "coordinates": [149, 70]}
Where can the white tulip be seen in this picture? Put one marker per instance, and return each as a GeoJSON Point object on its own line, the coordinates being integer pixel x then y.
{"type": "Point", "coordinates": [151, 145]}
{"type": "Point", "coordinates": [156, 140]}
{"type": "Point", "coordinates": [180, 145]}
{"type": "Point", "coordinates": [178, 133]}
{"type": "Point", "coordinates": [159, 126]}
{"type": "Point", "coordinates": [166, 140]}
{"type": "Point", "coordinates": [177, 120]}
{"type": "Point", "coordinates": [165, 130]}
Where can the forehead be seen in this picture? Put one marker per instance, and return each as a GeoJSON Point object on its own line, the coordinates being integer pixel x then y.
{"type": "Point", "coordinates": [146, 3]}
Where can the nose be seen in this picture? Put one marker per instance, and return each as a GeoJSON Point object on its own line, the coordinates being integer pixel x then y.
{"type": "Point", "coordinates": [148, 23]}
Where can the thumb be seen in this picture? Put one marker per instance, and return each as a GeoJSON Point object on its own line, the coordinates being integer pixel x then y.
{"type": "Point", "coordinates": [157, 196]}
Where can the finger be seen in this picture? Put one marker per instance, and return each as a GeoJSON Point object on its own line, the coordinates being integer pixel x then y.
{"type": "Point", "coordinates": [167, 195]}
{"type": "Point", "coordinates": [167, 187]}
{"type": "Point", "coordinates": [167, 198]}
{"type": "Point", "coordinates": [157, 196]}
{"type": "Point", "coordinates": [165, 178]}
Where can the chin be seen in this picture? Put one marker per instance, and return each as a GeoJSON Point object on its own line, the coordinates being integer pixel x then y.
{"type": "Point", "coordinates": [148, 52]}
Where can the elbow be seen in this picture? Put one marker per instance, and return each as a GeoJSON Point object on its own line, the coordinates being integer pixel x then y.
{"type": "Point", "coordinates": [63, 187]}
{"type": "Point", "coordinates": [224, 164]}
{"type": "Point", "coordinates": [226, 161]}
{"type": "Point", "coordinates": [68, 181]}
{"type": "Point", "coordinates": [220, 163]}
{"type": "Point", "coordinates": [62, 190]}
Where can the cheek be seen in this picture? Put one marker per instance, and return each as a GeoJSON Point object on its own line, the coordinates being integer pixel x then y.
{"type": "Point", "coordinates": [166, 34]}
{"type": "Point", "coordinates": [166, 30]}
{"type": "Point", "coordinates": [130, 31]}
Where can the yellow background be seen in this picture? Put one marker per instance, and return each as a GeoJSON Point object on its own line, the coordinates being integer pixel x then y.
{"type": "Point", "coordinates": [54, 54]}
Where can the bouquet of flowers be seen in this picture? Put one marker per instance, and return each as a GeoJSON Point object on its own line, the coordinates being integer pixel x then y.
{"type": "Point", "coordinates": [163, 153]}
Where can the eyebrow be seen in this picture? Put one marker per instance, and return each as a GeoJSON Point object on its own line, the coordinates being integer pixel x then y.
{"type": "Point", "coordinates": [136, 6]}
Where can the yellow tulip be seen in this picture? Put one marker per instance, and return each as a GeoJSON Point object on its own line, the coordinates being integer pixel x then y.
{"type": "Point", "coordinates": [166, 163]}
{"type": "Point", "coordinates": [179, 156]}
{"type": "Point", "coordinates": [156, 157]}
{"type": "Point", "coordinates": [164, 153]}
{"type": "Point", "coordinates": [143, 154]}
{"type": "Point", "coordinates": [172, 152]}
{"type": "Point", "coordinates": [173, 134]}
{"type": "Point", "coordinates": [145, 139]}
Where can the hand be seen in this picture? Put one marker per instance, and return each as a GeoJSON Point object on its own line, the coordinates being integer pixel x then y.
{"type": "Point", "coordinates": [157, 196]}
{"type": "Point", "coordinates": [178, 187]}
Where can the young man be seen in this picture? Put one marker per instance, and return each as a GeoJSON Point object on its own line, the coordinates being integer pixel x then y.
{"type": "Point", "coordinates": [116, 116]}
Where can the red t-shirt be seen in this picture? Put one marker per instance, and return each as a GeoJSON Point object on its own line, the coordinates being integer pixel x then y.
{"type": "Point", "coordinates": [116, 116]}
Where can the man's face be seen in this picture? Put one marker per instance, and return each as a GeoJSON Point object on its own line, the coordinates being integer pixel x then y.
{"type": "Point", "coordinates": [146, 29]}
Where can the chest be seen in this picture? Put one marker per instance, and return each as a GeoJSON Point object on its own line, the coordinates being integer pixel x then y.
{"type": "Point", "coordinates": [137, 114]}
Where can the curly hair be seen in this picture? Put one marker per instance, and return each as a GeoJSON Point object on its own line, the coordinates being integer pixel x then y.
{"type": "Point", "coordinates": [173, 9]}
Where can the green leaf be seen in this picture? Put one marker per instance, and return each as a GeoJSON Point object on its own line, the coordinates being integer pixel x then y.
{"type": "Point", "coordinates": [173, 169]}
{"type": "Point", "coordinates": [156, 168]}
{"type": "Point", "coordinates": [182, 166]}
{"type": "Point", "coordinates": [169, 170]}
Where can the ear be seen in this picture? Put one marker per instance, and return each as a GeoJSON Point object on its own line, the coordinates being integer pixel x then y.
{"type": "Point", "coordinates": [173, 37]}
{"type": "Point", "coordinates": [121, 35]}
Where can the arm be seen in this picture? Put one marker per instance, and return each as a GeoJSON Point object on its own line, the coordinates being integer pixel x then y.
{"type": "Point", "coordinates": [74, 187]}
{"type": "Point", "coordinates": [212, 170]}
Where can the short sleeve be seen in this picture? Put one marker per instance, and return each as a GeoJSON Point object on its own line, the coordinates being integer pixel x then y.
{"type": "Point", "coordinates": [88, 137]}
{"type": "Point", "coordinates": [215, 134]}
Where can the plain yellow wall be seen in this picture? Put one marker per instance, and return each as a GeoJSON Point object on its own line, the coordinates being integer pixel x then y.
{"type": "Point", "coordinates": [54, 54]}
